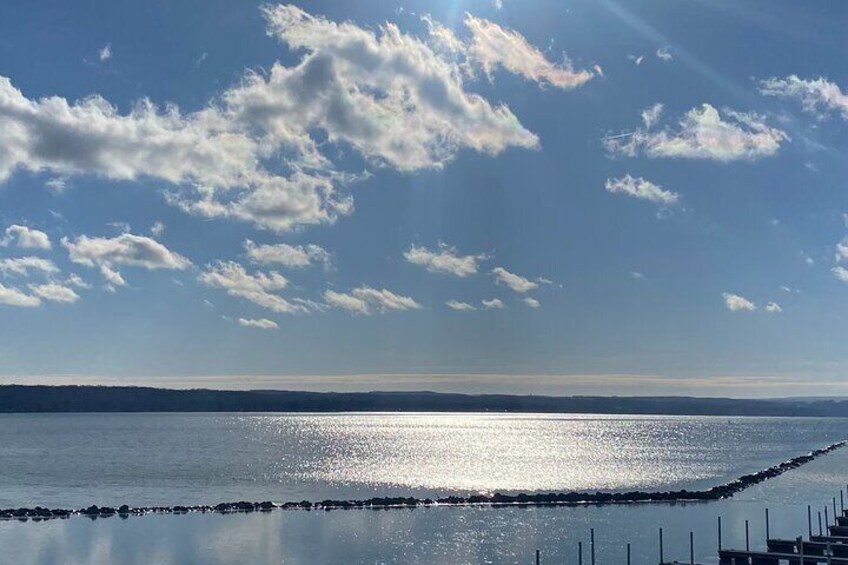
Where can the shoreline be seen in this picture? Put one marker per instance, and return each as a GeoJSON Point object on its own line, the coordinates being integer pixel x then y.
{"type": "Point", "coordinates": [718, 492]}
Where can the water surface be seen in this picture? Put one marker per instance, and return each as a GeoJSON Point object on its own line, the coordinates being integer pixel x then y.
{"type": "Point", "coordinates": [74, 460]}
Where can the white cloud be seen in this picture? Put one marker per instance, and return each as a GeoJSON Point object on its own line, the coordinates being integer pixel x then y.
{"type": "Point", "coordinates": [492, 46]}
{"type": "Point", "coordinates": [124, 250]}
{"type": "Point", "coordinates": [643, 189]}
{"type": "Point", "coordinates": [735, 303]}
{"type": "Point", "coordinates": [652, 115]}
{"type": "Point", "coordinates": [636, 60]}
{"type": "Point", "coordinates": [55, 292]}
{"type": "Point", "coordinates": [664, 54]}
{"type": "Point", "coordinates": [461, 306]}
{"type": "Point", "coordinates": [255, 287]}
{"type": "Point", "coordinates": [842, 250]}
{"type": "Point", "coordinates": [346, 302]}
{"type": "Point", "coordinates": [261, 323]}
{"type": "Point", "coordinates": [840, 273]}
{"type": "Point", "coordinates": [773, 308]}
{"type": "Point", "coordinates": [25, 238]}
{"type": "Point", "coordinates": [366, 300]}
{"type": "Point", "coordinates": [817, 96]}
{"type": "Point", "coordinates": [113, 278]}
{"type": "Point", "coordinates": [704, 133]}
{"type": "Point", "coordinates": [493, 304]}
{"type": "Point", "coordinates": [23, 266]}
{"type": "Point", "coordinates": [77, 281]}
{"type": "Point", "coordinates": [57, 184]}
{"type": "Point", "coordinates": [250, 154]}
{"type": "Point", "coordinates": [515, 282]}
{"type": "Point", "coordinates": [531, 302]}
{"type": "Point", "coordinates": [105, 53]}
{"type": "Point", "coordinates": [122, 227]}
{"type": "Point", "coordinates": [157, 229]}
{"type": "Point", "coordinates": [445, 260]}
{"type": "Point", "coordinates": [443, 37]}
{"type": "Point", "coordinates": [292, 256]}
{"type": "Point", "coordinates": [11, 296]}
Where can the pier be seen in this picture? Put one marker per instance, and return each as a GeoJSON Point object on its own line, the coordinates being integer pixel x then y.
{"type": "Point", "coordinates": [829, 547]}
{"type": "Point", "coordinates": [826, 543]}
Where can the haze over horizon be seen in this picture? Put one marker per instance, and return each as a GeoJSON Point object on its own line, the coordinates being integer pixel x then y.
{"type": "Point", "coordinates": [585, 197]}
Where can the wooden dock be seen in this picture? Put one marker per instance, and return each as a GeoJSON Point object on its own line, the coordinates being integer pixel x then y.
{"type": "Point", "coordinates": [829, 547]}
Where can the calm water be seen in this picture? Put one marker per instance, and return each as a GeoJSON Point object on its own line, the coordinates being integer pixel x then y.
{"type": "Point", "coordinates": [75, 460]}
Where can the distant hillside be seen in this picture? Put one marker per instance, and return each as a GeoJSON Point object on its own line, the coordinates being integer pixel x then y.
{"type": "Point", "coordinates": [19, 398]}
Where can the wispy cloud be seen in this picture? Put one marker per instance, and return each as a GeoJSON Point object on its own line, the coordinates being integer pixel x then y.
{"type": "Point", "coordinates": [257, 287]}
{"type": "Point", "coordinates": [105, 52]}
{"type": "Point", "coordinates": [515, 282]}
{"type": "Point", "coordinates": [292, 256]}
{"type": "Point", "coordinates": [703, 133]}
{"type": "Point", "coordinates": [25, 238]}
{"type": "Point", "coordinates": [460, 306]}
{"type": "Point", "coordinates": [643, 189]}
{"type": "Point", "coordinates": [445, 259]}
{"type": "Point", "coordinates": [817, 96]}
{"type": "Point", "coordinates": [260, 323]}
{"type": "Point", "coordinates": [736, 303]}
{"type": "Point", "coordinates": [493, 304]}
{"type": "Point", "coordinates": [366, 300]}
{"type": "Point", "coordinates": [125, 250]}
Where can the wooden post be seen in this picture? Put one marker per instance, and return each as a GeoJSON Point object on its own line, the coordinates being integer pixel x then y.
{"type": "Point", "coordinates": [592, 542]}
{"type": "Point", "coordinates": [579, 553]}
{"type": "Point", "coordinates": [692, 548]}
{"type": "Point", "coordinates": [826, 519]}
{"type": "Point", "coordinates": [628, 554]}
{"type": "Point", "coordinates": [820, 528]}
{"type": "Point", "coordinates": [809, 522]}
{"type": "Point", "coordinates": [767, 526]}
{"type": "Point", "coordinates": [719, 533]}
{"type": "Point", "coordinates": [537, 557]}
{"type": "Point", "coordinates": [834, 508]}
{"type": "Point", "coordinates": [662, 559]}
{"type": "Point", "coordinates": [841, 502]}
{"type": "Point", "coordinates": [747, 540]}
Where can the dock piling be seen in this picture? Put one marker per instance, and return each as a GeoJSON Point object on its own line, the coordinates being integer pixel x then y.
{"type": "Point", "coordinates": [719, 533]}
{"type": "Point", "coordinates": [579, 553]}
{"type": "Point", "coordinates": [809, 522]}
{"type": "Point", "coordinates": [820, 528]}
{"type": "Point", "coordinates": [692, 548]}
{"type": "Point", "coordinates": [747, 538]}
{"type": "Point", "coordinates": [628, 554]}
{"type": "Point", "coordinates": [767, 526]}
{"type": "Point", "coordinates": [662, 558]}
{"type": "Point", "coordinates": [537, 557]}
{"type": "Point", "coordinates": [592, 544]}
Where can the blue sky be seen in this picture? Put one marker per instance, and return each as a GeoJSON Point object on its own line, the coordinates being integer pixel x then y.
{"type": "Point", "coordinates": [559, 197]}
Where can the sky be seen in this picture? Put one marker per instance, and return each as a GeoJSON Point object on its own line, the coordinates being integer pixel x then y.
{"type": "Point", "coordinates": [547, 197]}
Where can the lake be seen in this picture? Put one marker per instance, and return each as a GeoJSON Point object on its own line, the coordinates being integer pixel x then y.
{"type": "Point", "coordinates": [74, 460]}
